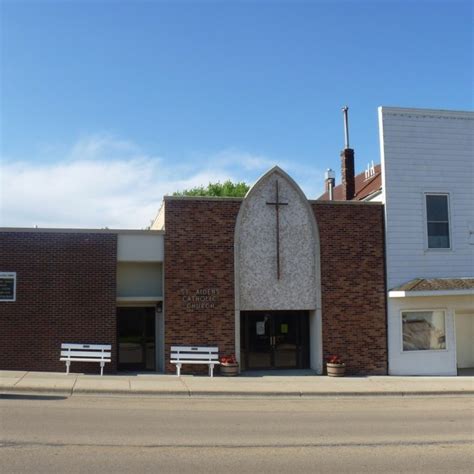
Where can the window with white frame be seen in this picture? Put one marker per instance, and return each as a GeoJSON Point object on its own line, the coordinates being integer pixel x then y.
{"type": "Point", "coordinates": [437, 220]}
{"type": "Point", "coordinates": [424, 330]}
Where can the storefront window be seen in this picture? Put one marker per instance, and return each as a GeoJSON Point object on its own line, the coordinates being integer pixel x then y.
{"type": "Point", "coordinates": [423, 330]}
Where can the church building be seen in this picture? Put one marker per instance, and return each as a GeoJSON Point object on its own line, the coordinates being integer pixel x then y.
{"type": "Point", "coordinates": [280, 281]}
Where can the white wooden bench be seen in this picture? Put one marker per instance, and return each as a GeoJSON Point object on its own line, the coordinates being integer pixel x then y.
{"type": "Point", "coordinates": [194, 355]}
{"type": "Point", "coordinates": [86, 353]}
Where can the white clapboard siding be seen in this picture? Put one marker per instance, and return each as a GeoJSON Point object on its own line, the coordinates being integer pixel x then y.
{"type": "Point", "coordinates": [426, 151]}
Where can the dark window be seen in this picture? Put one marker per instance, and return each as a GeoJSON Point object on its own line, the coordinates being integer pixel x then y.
{"type": "Point", "coordinates": [437, 218]}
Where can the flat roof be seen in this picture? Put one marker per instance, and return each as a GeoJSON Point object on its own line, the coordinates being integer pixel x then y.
{"type": "Point", "coordinates": [311, 201]}
{"type": "Point", "coordinates": [202, 198]}
{"type": "Point", "coordinates": [68, 230]}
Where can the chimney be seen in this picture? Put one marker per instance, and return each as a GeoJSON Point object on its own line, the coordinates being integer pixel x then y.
{"type": "Point", "coordinates": [329, 182]}
{"type": "Point", "coordinates": [347, 163]}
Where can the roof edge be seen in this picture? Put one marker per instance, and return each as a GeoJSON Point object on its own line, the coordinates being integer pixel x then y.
{"type": "Point", "coordinates": [435, 113]}
{"type": "Point", "coordinates": [68, 230]}
{"type": "Point", "coordinates": [418, 294]}
{"type": "Point", "coordinates": [202, 198]}
{"type": "Point", "coordinates": [349, 203]}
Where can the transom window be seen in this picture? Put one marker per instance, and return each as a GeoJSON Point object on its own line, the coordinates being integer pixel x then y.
{"type": "Point", "coordinates": [437, 218]}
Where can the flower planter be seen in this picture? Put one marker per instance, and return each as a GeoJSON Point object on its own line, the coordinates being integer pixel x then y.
{"type": "Point", "coordinates": [336, 370]}
{"type": "Point", "coordinates": [229, 370]}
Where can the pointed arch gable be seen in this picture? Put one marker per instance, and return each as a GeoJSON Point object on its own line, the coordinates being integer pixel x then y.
{"type": "Point", "coordinates": [255, 248]}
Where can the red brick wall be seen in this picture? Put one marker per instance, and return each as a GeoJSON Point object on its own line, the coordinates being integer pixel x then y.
{"type": "Point", "coordinates": [199, 254]}
{"type": "Point", "coordinates": [66, 286]}
{"type": "Point", "coordinates": [353, 285]}
{"type": "Point", "coordinates": [199, 249]}
{"type": "Point", "coordinates": [65, 293]}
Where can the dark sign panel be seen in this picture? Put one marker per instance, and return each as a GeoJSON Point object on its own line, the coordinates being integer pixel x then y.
{"type": "Point", "coordinates": [7, 286]}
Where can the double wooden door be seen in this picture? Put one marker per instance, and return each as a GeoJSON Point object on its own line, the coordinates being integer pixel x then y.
{"type": "Point", "coordinates": [274, 339]}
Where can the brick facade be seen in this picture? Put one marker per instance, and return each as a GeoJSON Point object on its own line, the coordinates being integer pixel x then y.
{"type": "Point", "coordinates": [66, 292]}
{"type": "Point", "coordinates": [199, 255]}
{"type": "Point", "coordinates": [199, 249]}
{"type": "Point", "coordinates": [66, 286]}
{"type": "Point", "coordinates": [353, 284]}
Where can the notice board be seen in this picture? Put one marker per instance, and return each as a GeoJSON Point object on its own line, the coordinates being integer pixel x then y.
{"type": "Point", "coordinates": [7, 286]}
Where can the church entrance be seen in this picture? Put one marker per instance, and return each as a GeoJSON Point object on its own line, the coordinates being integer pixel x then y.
{"type": "Point", "coordinates": [136, 338]}
{"type": "Point", "coordinates": [274, 340]}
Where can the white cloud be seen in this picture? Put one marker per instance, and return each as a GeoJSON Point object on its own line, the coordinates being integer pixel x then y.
{"type": "Point", "coordinates": [246, 161]}
{"type": "Point", "coordinates": [102, 181]}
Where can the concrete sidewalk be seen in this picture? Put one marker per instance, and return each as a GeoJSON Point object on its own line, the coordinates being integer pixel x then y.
{"type": "Point", "coordinates": [244, 385]}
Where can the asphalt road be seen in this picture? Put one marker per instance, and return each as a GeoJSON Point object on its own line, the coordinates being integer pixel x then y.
{"type": "Point", "coordinates": [110, 435]}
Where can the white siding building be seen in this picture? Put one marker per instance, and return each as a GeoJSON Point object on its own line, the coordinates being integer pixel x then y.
{"type": "Point", "coordinates": [428, 191]}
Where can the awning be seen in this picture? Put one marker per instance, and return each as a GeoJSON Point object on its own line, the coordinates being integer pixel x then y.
{"type": "Point", "coordinates": [434, 287]}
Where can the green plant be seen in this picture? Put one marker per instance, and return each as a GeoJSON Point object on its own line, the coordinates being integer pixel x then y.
{"type": "Point", "coordinates": [226, 189]}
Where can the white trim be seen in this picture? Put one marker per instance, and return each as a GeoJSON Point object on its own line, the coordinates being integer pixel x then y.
{"type": "Point", "coordinates": [420, 113]}
{"type": "Point", "coordinates": [376, 193]}
{"type": "Point", "coordinates": [409, 294]}
{"type": "Point", "coordinates": [138, 299]}
{"type": "Point", "coordinates": [160, 332]}
{"type": "Point", "coordinates": [9, 276]}
{"type": "Point", "coordinates": [421, 310]}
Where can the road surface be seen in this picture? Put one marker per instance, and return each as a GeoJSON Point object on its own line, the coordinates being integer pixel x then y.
{"type": "Point", "coordinates": [254, 435]}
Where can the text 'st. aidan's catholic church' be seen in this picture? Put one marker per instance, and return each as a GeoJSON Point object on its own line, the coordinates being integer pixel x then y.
{"type": "Point", "coordinates": [277, 279]}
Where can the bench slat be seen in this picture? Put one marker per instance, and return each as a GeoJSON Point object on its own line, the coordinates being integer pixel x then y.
{"type": "Point", "coordinates": [87, 346]}
{"type": "Point", "coordinates": [195, 362]}
{"type": "Point", "coordinates": [80, 359]}
{"type": "Point", "coordinates": [84, 354]}
{"type": "Point", "coordinates": [196, 349]}
{"type": "Point", "coordinates": [175, 355]}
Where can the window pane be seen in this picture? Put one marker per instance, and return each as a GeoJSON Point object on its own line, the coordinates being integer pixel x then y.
{"type": "Point", "coordinates": [423, 330]}
{"type": "Point", "coordinates": [437, 208]}
{"type": "Point", "coordinates": [438, 235]}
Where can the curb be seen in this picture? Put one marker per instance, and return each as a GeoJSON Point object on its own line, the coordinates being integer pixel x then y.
{"type": "Point", "coordinates": [222, 393]}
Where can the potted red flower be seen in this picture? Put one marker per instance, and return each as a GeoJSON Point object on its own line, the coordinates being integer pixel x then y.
{"type": "Point", "coordinates": [229, 365]}
{"type": "Point", "coordinates": [335, 366]}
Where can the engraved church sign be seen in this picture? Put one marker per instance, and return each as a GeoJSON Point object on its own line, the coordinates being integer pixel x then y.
{"type": "Point", "coordinates": [200, 298]}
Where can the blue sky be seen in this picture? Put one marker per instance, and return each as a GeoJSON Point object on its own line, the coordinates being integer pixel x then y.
{"type": "Point", "coordinates": [106, 106]}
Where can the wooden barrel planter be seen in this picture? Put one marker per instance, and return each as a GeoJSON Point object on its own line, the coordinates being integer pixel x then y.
{"type": "Point", "coordinates": [229, 370]}
{"type": "Point", "coordinates": [336, 370]}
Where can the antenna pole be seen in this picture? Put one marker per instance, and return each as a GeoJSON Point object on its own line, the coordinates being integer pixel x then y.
{"type": "Point", "coordinates": [345, 109]}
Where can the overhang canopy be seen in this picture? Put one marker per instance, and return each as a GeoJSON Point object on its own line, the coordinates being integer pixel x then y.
{"type": "Point", "coordinates": [434, 287]}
